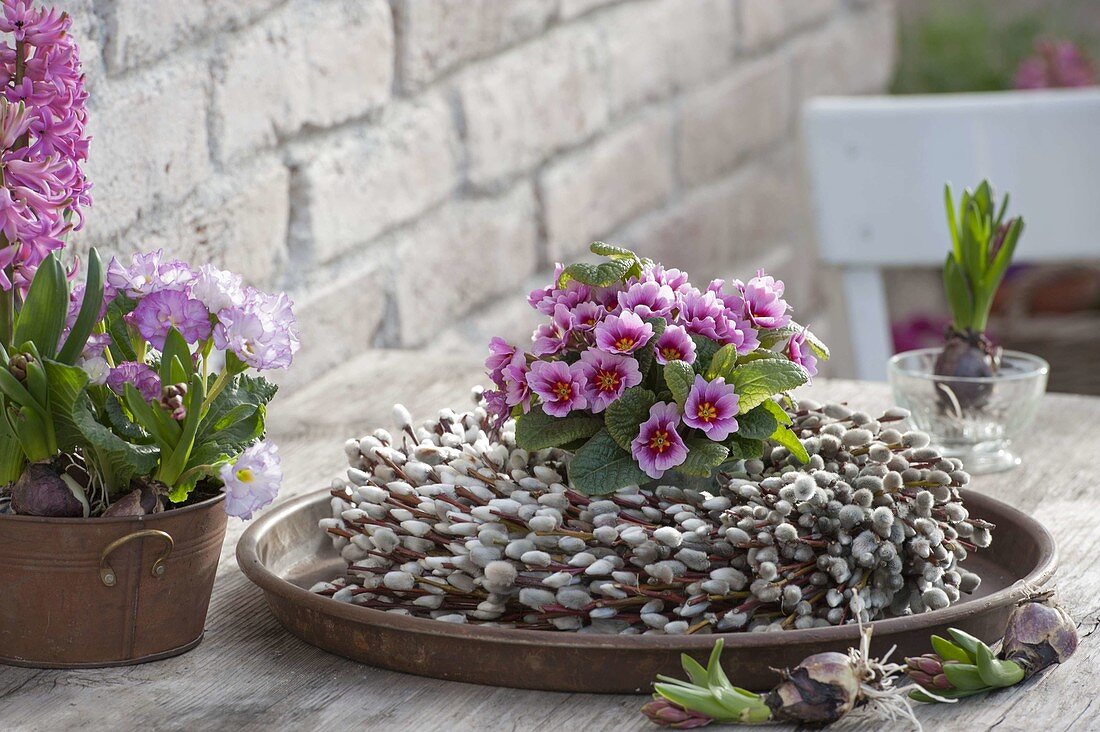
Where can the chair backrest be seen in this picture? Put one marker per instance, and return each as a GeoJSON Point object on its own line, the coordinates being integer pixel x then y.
{"type": "Point", "coordinates": [878, 166]}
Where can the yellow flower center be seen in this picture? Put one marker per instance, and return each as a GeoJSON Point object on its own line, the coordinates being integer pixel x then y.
{"type": "Point", "coordinates": [563, 390]}
{"type": "Point", "coordinates": [625, 343]}
{"type": "Point", "coordinates": [659, 441]}
{"type": "Point", "coordinates": [245, 475]}
{"type": "Point", "coordinates": [707, 412]}
{"type": "Point", "coordinates": [607, 381]}
{"type": "Point", "coordinates": [671, 354]}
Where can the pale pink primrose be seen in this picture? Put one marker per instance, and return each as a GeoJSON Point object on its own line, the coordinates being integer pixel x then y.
{"type": "Point", "coordinates": [607, 376]}
{"type": "Point", "coordinates": [623, 333]}
{"type": "Point", "coordinates": [712, 407]}
{"type": "Point", "coordinates": [675, 345]}
{"type": "Point", "coordinates": [658, 447]}
{"type": "Point", "coordinates": [253, 480]}
{"type": "Point", "coordinates": [165, 309]}
{"type": "Point", "coordinates": [559, 386]}
{"type": "Point", "coordinates": [799, 352]}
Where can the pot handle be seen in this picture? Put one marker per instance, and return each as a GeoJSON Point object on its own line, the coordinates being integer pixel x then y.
{"type": "Point", "coordinates": [107, 574]}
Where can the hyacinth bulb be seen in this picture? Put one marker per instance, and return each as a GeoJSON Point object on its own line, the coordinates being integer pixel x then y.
{"type": "Point", "coordinates": [42, 490]}
{"type": "Point", "coordinates": [820, 690]}
{"type": "Point", "coordinates": [1040, 633]}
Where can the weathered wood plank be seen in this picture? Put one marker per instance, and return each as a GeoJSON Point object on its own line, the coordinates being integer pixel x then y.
{"type": "Point", "coordinates": [249, 674]}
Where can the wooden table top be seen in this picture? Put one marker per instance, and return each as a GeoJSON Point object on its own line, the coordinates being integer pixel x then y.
{"type": "Point", "coordinates": [249, 674]}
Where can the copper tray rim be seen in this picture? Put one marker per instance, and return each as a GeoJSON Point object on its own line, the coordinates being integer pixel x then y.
{"type": "Point", "coordinates": [104, 520]}
{"type": "Point", "coordinates": [249, 561]}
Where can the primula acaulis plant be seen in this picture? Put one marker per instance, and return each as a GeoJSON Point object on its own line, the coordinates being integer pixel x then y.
{"type": "Point", "coordinates": [982, 244]}
{"type": "Point", "coordinates": [638, 372]}
{"type": "Point", "coordinates": [129, 390]}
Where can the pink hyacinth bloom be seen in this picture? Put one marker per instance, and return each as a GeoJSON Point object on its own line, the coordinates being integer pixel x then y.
{"type": "Point", "coordinates": [253, 480]}
{"type": "Point", "coordinates": [607, 376]}
{"type": "Point", "coordinates": [553, 337]}
{"type": "Point", "coordinates": [143, 378]}
{"type": "Point", "coordinates": [712, 407]}
{"type": "Point", "coordinates": [675, 345]}
{"type": "Point", "coordinates": [500, 355]}
{"type": "Point", "coordinates": [166, 309]}
{"type": "Point", "coordinates": [262, 332]}
{"type": "Point", "coordinates": [799, 352]}
{"type": "Point", "coordinates": [623, 333]}
{"type": "Point", "coordinates": [559, 386]}
{"type": "Point", "coordinates": [648, 300]}
{"type": "Point", "coordinates": [658, 447]}
{"type": "Point", "coordinates": [764, 305]}
{"type": "Point", "coordinates": [514, 378]}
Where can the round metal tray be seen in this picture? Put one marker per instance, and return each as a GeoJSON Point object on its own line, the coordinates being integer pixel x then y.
{"type": "Point", "coordinates": [285, 553]}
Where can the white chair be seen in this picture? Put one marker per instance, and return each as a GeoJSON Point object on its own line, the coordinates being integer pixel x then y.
{"type": "Point", "coordinates": [878, 166]}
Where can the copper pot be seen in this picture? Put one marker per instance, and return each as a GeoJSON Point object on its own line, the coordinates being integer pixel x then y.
{"type": "Point", "coordinates": [107, 591]}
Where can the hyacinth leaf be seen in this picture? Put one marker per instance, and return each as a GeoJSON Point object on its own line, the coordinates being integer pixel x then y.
{"type": "Point", "coordinates": [769, 338]}
{"type": "Point", "coordinates": [647, 355]}
{"type": "Point", "coordinates": [42, 317]}
{"type": "Point", "coordinates": [625, 415]}
{"type": "Point", "coordinates": [695, 698]}
{"type": "Point", "coordinates": [994, 672]}
{"type": "Point", "coordinates": [601, 467]}
{"type": "Point", "coordinates": [777, 411]}
{"type": "Point", "coordinates": [757, 424]}
{"type": "Point", "coordinates": [176, 462]}
{"type": "Point", "coordinates": [693, 669]}
{"type": "Point", "coordinates": [967, 642]}
{"type": "Point", "coordinates": [17, 393]}
{"type": "Point", "coordinates": [11, 455]}
{"type": "Point", "coordinates": [788, 439]}
{"type": "Point", "coordinates": [538, 430]}
{"type": "Point", "coordinates": [759, 380]}
{"type": "Point", "coordinates": [716, 676]}
{"type": "Point", "coordinates": [679, 376]}
{"type": "Point", "coordinates": [88, 315]}
{"type": "Point", "coordinates": [921, 696]}
{"type": "Point", "coordinates": [703, 457]}
{"type": "Point", "coordinates": [964, 676]}
{"type": "Point", "coordinates": [722, 363]}
{"type": "Point", "coordinates": [948, 651]}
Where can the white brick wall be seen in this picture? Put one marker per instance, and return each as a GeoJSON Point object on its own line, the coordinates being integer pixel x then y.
{"type": "Point", "coordinates": [404, 166]}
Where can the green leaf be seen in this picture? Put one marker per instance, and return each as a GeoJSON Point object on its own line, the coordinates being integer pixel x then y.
{"type": "Point", "coordinates": [42, 317]}
{"type": "Point", "coordinates": [604, 274]}
{"type": "Point", "coordinates": [76, 425]}
{"type": "Point", "coordinates": [626, 414]}
{"type": "Point", "coordinates": [679, 376]}
{"type": "Point", "coordinates": [757, 424]}
{"type": "Point", "coordinates": [966, 642]}
{"type": "Point", "coordinates": [164, 429]}
{"type": "Point", "coordinates": [538, 430]}
{"type": "Point", "coordinates": [647, 353]}
{"type": "Point", "coordinates": [88, 315]}
{"type": "Point", "coordinates": [12, 460]}
{"type": "Point", "coordinates": [758, 380]}
{"type": "Point", "coordinates": [120, 421]}
{"type": "Point", "coordinates": [964, 676]}
{"type": "Point", "coordinates": [602, 467]}
{"type": "Point", "coordinates": [744, 448]}
{"type": "Point", "coordinates": [703, 457]}
{"type": "Point", "coordinates": [705, 349]}
{"type": "Point", "coordinates": [610, 250]}
{"type": "Point", "coordinates": [122, 348]}
{"type": "Point", "coordinates": [240, 400]}
{"type": "Point", "coordinates": [788, 439]}
{"type": "Point", "coordinates": [176, 365]}
{"type": "Point", "coordinates": [948, 651]}
{"type": "Point", "coordinates": [769, 338]}
{"type": "Point", "coordinates": [722, 363]}
{"type": "Point", "coordinates": [780, 414]}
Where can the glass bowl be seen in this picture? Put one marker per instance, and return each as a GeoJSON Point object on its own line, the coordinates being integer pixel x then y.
{"type": "Point", "coordinates": [972, 418]}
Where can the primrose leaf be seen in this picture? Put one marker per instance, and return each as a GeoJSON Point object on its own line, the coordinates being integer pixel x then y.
{"type": "Point", "coordinates": [756, 381]}
{"type": "Point", "coordinates": [625, 415]}
{"type": "Point", "coordinates": [600, 467]}
{"type": "Point", "coordinates": [538, 430]}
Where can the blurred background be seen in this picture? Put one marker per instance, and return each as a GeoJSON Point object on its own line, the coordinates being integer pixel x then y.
{"type": "Point", "coordinates": [409, 169]}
